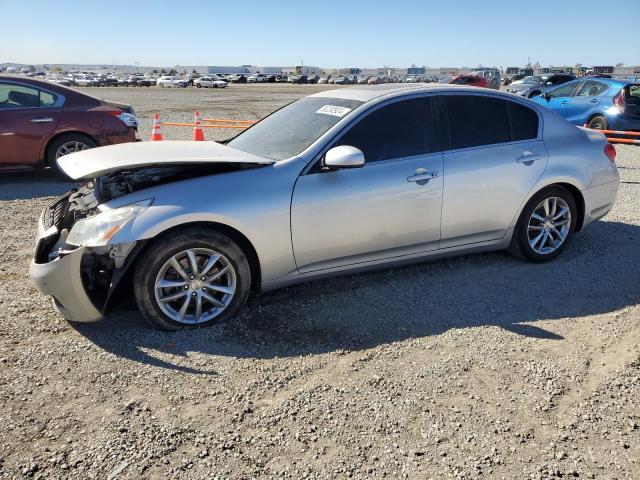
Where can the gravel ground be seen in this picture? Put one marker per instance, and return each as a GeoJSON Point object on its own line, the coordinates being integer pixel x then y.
{"type": "Point", "coordinates": [475, 367]}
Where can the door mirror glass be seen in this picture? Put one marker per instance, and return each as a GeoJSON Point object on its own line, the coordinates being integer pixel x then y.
{"type": "Point", "coordinates": [344, 156]}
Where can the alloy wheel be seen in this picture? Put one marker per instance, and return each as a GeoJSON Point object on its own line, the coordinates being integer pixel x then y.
{"type": "Point", "coordinates": [70, 147]}
{"type": "Point", "coordinates": [549, 225]}
{"type": "Point", "coordinates": [195, 286]}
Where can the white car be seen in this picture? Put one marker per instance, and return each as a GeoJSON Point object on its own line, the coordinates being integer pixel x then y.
{"type": "Point", "coordinates": [210, 82]}
{"type": "Point", "coordinates": [257, 78]}
{"type": "Point", "coordinates": [170, 82]}
{"type": "Point", "coordinates": [86, 81]}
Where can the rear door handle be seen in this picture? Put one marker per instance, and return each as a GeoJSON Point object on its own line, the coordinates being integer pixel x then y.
{"type": "Point", "coordinates": [564, 102]}
{"type": "Point", "coordinates": [422, 176]}
{"type": "Point", "coordinates": [42, 120]}
{"type": "Point", "coordinates": [528, 157]}
{"type": "Point", "coordinates": [594, 100]}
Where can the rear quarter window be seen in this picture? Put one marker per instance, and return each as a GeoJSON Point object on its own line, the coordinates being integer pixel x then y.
{"type": "Point", "coordinates": [524, 122]}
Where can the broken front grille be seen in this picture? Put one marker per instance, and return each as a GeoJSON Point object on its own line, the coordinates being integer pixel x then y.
{"type": "Point", "coordinates": [55, 212]}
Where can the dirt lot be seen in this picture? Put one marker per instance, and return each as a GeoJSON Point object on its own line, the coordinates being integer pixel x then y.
{"type": "Point", "coordinates": [476, 367]}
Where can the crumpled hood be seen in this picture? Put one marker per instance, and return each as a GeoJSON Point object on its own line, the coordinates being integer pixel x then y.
{"type": "Point", "coordinates": [100, 161]}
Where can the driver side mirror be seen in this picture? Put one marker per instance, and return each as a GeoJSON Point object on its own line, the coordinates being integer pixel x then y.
{"type": "Point", "coordinates": [344, 156]}
{"type": "Point", "coordinates": [546, 96]}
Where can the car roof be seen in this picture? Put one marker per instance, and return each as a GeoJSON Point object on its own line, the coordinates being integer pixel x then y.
{"type": "Point", "coordinates": [366, 93]}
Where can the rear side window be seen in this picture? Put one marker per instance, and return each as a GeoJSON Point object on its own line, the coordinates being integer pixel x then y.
{"type": "Point", "coordinates": [475, 121]}
{"type": "Point", "coordinates": [401, 129]}
{"type": "Point", "coordinates": [19, 96]}
{"type": "Point", "coordinates": [524, 122]}
{"type": "Point", "coordinates": [591, 88]}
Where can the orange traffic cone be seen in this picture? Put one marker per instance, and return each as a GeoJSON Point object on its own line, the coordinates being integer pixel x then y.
{"type": "Point", "coordinates": [156, 134]}
{"type": "Point", "coordinates": [198, 135]}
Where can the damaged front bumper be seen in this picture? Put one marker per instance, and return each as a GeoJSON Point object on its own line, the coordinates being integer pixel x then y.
{"type": "Point", "coordinates": [80, 280]}
{"type": "Point", "coordinates": [61, 280]}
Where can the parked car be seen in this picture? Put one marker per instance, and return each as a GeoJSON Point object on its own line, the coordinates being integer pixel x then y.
{"type": "Point", "coordinates": [41, 121]}
{"type": "Point", "coordinates": [329, 184]}
{"type": "Point", "coordinates": [377, 80]}
{"type": "Point", "coordinates": [324, 79]}
{"type": "Point", "coordinates": [270, 78]}
{"type": "Point", "coordinates": [282, 79]}
{"type": "Point", "coordinates": [166, 81]}
{"type": "Point", "coordinates": [491, 75]}
{"type": "Point", "coordinates": [469, 80]}
{"type": "Point", "coordinates": [212, 81]}
{"type": "Point", "coordinates": [86, 81]}
{"type": "Point", "coordinates": [342, 80]}
{"type": "Point", "coordinates": [298, 79]}
{"type": "Point", "coordinates": [257, 78]}
{"type": "Point", "coordinates": [137, 81]}
{"type": "Point", "coordinates": [600, 103]}
{"type": "Point", "coordinates": [313, 78]}
{"type": "Point", "coordinates": [108, 81]}
{"type": "Point", "coordinates": [362, 80]}
{"type": "Point", "coordinates": [59, 79]}
{"type": "Point", "coordinates": [536, 84]}
{"type": "Point", "coordinates": [238, 78]}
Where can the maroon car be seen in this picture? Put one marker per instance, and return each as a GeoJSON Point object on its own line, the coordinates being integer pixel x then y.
{"type": "Point", "coordinates": [42, 121]}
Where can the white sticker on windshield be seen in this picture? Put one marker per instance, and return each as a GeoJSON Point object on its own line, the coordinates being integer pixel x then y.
{"type": "Point", "coordinates": [334, 110]}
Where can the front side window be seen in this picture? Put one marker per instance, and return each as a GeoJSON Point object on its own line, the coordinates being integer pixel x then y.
{"type": "Point", "coordinates": [19, 96]}
{"type": "Point", "coordinates": [591, 88]}
{"type": "Point", "coordinates": [290, 130]}
{"type": "Point", "coordinates": [564, 90]}
{"type": "Point", "coordinates": [401, 129]}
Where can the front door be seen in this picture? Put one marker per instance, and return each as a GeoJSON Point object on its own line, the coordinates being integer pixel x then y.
{"type": "Point", "coordinates": [585, 101]}
{"type": "Point", "coordinates": [557, 99]}
{"type": "Point", "coordinates": [27, 117]}
{"type": "Point", "coordinates": [389, 207]}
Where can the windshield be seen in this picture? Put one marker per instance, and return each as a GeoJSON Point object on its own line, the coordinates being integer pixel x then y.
{"type": "Point", "coordinates": [292, 129]}
{"type": "Point", "coordinates": [534, 80]}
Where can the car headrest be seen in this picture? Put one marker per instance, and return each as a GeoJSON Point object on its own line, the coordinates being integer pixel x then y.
{"type": "Point", "coordinates": [24, 99]}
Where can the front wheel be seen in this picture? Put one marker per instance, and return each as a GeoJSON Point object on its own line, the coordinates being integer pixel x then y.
{"type": "Point", "coordinates": [198, 85]}
{"type": "Point", "coordinates": [191, 278]}
{"type": "Point", "coordinates": [546, 225]}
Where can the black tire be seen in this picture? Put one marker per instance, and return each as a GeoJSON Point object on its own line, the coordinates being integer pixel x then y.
{"type": "Point", "coordinates": [52, 149]}
{"type": "Point", "coordinates": [599, 122]}
{"type": "Point", "coordinates": [520, 243]}
{"type": "Point", "coordinates": [160, 251]}
{"type": "Point", "coordinates": [198, 85]}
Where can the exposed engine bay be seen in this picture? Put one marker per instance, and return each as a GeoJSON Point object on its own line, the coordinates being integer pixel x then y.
{"type": "Point", "coordinates": [103, 267]}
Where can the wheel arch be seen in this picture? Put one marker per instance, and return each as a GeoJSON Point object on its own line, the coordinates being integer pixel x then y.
{"type": "Point", "coordinates": [573, 190]}
{"type": "Point", "coordinates": [241, 239]}
{"type": "Point", "coordinates": [44, 153]}
{"type": "Point", "coordinates": [594, 115]}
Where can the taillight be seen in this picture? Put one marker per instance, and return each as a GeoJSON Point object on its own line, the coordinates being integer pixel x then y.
{"type": "Point", "coordinates": [619, 100]}
{"type": "Point", "coordinates": [114, 113]}
{"type": "Point", "coordinates": [610, 151]}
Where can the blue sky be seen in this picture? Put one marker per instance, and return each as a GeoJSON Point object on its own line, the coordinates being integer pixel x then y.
{"type": "Point", "coordinates": [324, 33]}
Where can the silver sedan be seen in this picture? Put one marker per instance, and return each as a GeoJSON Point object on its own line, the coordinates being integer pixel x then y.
{"type": "Point", "coordinates": [337, 182]}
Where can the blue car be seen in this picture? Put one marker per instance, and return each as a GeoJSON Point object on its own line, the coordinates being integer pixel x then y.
{"type": "Point", "coordinates": [601, 103]}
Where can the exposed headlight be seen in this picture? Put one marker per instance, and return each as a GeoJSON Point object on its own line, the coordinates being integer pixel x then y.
{"type": "Point", "coordinates": [97, 231]}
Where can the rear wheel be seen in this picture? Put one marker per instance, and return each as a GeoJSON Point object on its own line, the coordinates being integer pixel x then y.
{"type": "Point", "coordinates": [546, 225]}
{"type": "Point", "coordinates": [191, 278]}
{"type": "Point", "coordinates": [599, 123]}
{"type": "Point", "coordinates": [65, 145]}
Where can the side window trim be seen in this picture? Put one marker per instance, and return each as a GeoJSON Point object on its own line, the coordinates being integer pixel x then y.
{"type": "Point", "coordinates": [59, 97]}
{"type": "Point", "coordinates": [445, 116]}
{"type": "Point", "coordinates": [311, 167]}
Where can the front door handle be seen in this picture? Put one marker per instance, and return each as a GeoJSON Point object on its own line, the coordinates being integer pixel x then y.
{"type": "Point", "coordinates": [564, 102]}
{"type": "Point", "coordinates": [528, 157]}
{"type": "Point", "coordinates": [594, 100]}
{"type": "Point", "coordinates": [422, 176]}
{"type": "Point", "coordinates": [42, 120]}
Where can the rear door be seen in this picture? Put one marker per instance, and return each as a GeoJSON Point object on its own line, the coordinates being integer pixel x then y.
{"type": "Point", "coordinates": [557, 99]}
{"type": "Point", "coordinates": [585, 101]}
{"type": "Point", "coordinates": [28, 116]}
{"type": "Point", "coordinates": [496, 157]}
